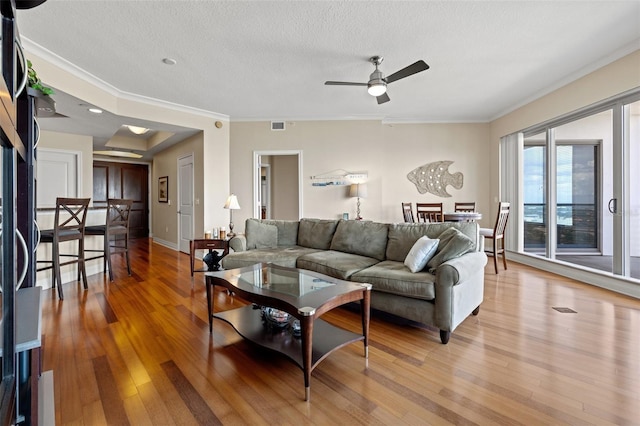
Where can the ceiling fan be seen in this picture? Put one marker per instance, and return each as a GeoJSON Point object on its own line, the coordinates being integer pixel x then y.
{"type": "Point", "coordinates": [377, 85]}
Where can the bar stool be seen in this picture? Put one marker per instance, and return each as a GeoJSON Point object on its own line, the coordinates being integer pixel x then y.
{"type": "Point", "coordinates": [69, 224]}
{"type": "Point", "coordinates": [116, 224]}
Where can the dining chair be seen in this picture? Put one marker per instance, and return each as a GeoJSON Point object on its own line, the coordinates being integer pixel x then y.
{"type": "Point", "coordinates": [429, 212]}
{"type": "Point", "coordinates": [115, 233]}
{"type": "Point", "coordinates": [407, 212]}
{"type": "Point", "coordinates": [497, 234]}
{"type": "Point", "coordinates": [465, 207]}
{"type": "Point", "coordinates": [69, 225]}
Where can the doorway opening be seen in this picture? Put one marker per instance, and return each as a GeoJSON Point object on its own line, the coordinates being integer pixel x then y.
{"type": "Point", "coordinates": [277, 185]}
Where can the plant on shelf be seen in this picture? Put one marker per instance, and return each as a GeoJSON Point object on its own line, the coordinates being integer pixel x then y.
{"type": "Point", "coordinates": [35, 83]}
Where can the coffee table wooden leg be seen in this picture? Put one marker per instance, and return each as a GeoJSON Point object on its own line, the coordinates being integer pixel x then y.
{"type": "Point", "coordinates": [306, 325]}
{"type": "Point", "coordinates": [365, 306]}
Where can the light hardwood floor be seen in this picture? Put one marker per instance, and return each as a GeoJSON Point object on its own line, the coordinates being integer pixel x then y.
{"type": "Point", "coordinates": [138, 351]}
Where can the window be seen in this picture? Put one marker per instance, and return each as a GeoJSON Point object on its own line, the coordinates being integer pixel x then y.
{"type": "Point", "coordinates": [580, 195]}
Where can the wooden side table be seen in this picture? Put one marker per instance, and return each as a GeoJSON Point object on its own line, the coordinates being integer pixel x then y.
{"type": "Point", "coordinates": [206, 244]}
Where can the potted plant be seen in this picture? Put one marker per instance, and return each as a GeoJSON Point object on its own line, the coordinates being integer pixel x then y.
{"type": "Point", "coordinates": [45, 105]}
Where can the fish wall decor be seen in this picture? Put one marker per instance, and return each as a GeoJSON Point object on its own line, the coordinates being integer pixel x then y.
{"type": "Point", "coordinates": [435, 177]}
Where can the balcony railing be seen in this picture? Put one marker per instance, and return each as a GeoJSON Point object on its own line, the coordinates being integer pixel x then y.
{"type": "Point", "coordinates": [577, 226]}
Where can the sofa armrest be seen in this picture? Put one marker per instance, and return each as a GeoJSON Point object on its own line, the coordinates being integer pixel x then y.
{"type": "Point", "coordinates": [457, 270]}
{"type": "Point", "coordinates": [238, 243]}
{"type": "Point", "coordinates": [459, 289]}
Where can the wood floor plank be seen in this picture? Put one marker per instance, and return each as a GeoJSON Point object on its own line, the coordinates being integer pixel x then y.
{"type": "Point", "coordinates": [138, 351]}
{"type": "Point", "coordinates": [198, 407]}
{"type": "Point", "coordinates": [112, 403]}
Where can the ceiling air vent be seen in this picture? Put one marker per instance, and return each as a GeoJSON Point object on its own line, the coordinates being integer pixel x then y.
{"type": "Point", "coordinates": [277, 125]}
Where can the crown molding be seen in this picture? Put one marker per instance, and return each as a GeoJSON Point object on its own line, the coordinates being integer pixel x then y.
{"type": "Point", "coordinates": [83, 75]}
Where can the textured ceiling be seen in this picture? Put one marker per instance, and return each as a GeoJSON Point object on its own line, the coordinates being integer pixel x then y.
{"type": "Point", "coordinates": [262, 60]}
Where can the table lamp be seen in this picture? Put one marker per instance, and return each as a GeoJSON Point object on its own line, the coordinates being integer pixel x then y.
{"type": "Point", "coordinates": [358, 190]}
{"type": "Point", "coordinates": [231, 204]}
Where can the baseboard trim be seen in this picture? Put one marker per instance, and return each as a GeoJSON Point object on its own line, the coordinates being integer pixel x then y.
{"type": "Point", "coordinates": [608, 281]}
{"type": "Point", "coordinates": [167, 244]}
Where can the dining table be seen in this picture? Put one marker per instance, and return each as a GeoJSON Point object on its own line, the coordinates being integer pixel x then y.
{"type": "Point", "coordinates": [462, 216]}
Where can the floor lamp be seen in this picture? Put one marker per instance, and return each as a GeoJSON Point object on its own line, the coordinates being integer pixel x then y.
{"type": "Point", "coordinates": [231, 205]}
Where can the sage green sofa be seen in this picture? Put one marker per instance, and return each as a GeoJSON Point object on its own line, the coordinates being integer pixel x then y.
{"type": "Point", "coordinates": [441, 295]}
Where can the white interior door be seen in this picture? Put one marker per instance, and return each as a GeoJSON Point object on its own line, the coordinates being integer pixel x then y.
{"type": "Point", "coordinates": [185, 202]}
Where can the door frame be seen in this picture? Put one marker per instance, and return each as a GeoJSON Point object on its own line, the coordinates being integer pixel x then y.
{"type": "Point", "coordinates": [179, 199]}
{"type": "Point", "coordinates": [267, 194]}
{"type": "Point", "coordinates": [257, 179]}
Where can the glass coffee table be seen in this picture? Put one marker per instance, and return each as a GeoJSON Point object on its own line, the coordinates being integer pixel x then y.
{"type": "Point", "coordinates": [283, 298]}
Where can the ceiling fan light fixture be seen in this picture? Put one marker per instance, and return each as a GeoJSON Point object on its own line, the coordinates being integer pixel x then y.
{"type": "Point", "coordinates": [377, 88]}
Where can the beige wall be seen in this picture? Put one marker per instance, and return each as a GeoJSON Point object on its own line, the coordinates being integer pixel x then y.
{"type": "Point", "coordinates": [284, 187]}
{"type": "Point", "coordinates": [386, 152]}
{"type": "Point", "coordinates": [164, 224]}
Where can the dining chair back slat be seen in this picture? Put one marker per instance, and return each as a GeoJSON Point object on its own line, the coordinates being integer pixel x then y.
{"type": "Point", "coordinates": [465, 207]}
{"type": "Point", "coordinates": [407, 212]}
{"type": "Point", "coordinates": [429, 212]}
{"type": "Point", "coordinates": [497, 235]}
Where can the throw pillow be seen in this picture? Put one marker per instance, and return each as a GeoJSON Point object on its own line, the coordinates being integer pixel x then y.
{"type": "Point", "coordinates": [455, 244]}
{"type": "Point", "coordinates": [421, 253]}
{"type": "Point", "coordinates": [261, 235]}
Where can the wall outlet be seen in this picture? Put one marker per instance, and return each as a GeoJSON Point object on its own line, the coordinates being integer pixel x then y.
{"type": "Point", "coordinates": [166, 229]}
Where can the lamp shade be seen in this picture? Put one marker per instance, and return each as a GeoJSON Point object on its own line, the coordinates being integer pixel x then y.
{"type": "Point", "coordinates": [358, 190]}
{"type": "Point", "coordinates": [232, 203]}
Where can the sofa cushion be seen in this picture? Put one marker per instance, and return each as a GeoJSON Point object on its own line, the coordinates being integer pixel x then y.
{"type": "Point", "coordinates": [453, 243]}
{"type": "Point", "coordinates": [287, 231]}
{"type": "Point", "coordinates": [402, 236]}
{"type": "Point", "coordinates": [362, 237]}
{"type": "Point", "coordinates": [260, 235]}
{"type": "Point", "coordinates": [421, 252]}
{"type": "Point", "coordinates": [316, 233]}
{"type": "Point", "coordinates": [335, 263]}
{"type": "Point", "coordinates": [278, 256]}
{"type": "Point", "coordinates": [393, 277]}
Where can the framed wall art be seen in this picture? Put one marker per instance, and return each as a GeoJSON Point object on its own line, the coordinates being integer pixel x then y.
{"type": "Point", "coordinates": [163, 189]}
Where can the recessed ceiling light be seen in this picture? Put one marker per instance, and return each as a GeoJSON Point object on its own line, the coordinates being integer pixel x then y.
{"type": "Point", "coordinates": [95, 110]}
{"type": "Point", "coordinates": [169, 61]}
{"type": "Point", "coordinates": [116, 153]}
{"type": "Point", "coordinates": [136, 129]}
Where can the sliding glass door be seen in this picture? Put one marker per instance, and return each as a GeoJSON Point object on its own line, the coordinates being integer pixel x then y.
{"type": "Point", "coordinates": [580, 189]}
{"type": "Point", "coordinates": [631, 137]}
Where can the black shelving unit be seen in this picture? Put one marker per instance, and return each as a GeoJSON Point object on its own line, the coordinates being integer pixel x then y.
{"type": "Point", "coordinates": [21, 308]}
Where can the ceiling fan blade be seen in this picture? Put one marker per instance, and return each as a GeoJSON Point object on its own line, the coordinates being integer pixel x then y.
{"type": "Point", "coordinates": [383, 98]}
{"type": "Point", "coordinates": [343, 83]}
{"type": "Point", "coordinates": [407, 71]}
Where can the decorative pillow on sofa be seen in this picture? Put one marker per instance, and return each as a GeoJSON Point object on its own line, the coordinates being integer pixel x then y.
{"type": "Point", "coordinates": [421, 252]}
{"type": "Point", "coordinates": [453, 243]}
{"type": "Point", "coordinates": [260, 235]}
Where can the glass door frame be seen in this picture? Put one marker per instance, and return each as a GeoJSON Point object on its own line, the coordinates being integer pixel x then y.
{"type": "Point", "coordinates": [621, 163]}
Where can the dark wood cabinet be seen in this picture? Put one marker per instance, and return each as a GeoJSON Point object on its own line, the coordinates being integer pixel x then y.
{"type": "Point", "coordinates": [124, 180]}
